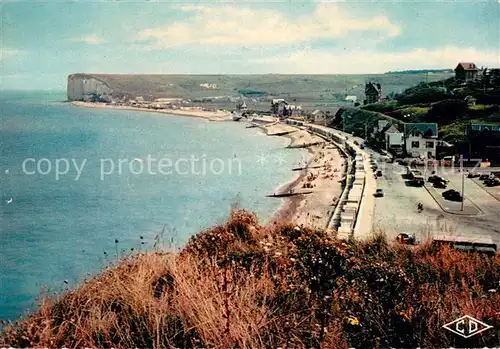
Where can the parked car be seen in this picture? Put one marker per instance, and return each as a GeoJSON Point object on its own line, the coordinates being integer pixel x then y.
{"type": "Point", "coordinates": [379, 173]}
{"type": "Point", "coordinates": [452, 195]}
{"type": "Point", "coordinates": [439, 184]}
{"type": "Point", "coordinates": [484, 176]}
{"type": "Point", "coordinates": [492, 182]}
{"type": "Point", "coordinates": [379, 193]}
{"type": "Point", "coordinates": [472, 175]}
{"type": "Point", "coordinates": [406, 239]}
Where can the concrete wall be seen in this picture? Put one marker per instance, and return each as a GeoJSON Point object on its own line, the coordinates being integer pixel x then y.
{"type": "Point", "coordinates": [80, 86]}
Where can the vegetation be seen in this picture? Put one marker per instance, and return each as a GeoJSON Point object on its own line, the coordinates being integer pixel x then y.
{"type": "Point", "coordinates": [245, 285]}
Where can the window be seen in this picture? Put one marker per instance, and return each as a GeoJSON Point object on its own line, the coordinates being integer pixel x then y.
{"type": "Point", "coordinates": [429, 145]}
{"type": "Point", "coordinates": [415, 144]}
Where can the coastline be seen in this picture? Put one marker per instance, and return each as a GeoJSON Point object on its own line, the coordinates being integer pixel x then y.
{"type": "Point", "coordinates": [191, 112]}
{"type": "Point", "coordinates": [314, 189]}
{"type": "Point", "coordinates": [318, 180]}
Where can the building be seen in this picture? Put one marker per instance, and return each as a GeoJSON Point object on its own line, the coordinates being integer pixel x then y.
{"type": "Point", "coordinates": [278, 106]}
{"type": "Point", "coordinates": [318, 117]}
{"type": "Point", "coordinates": [470, 100]}
{"type": "Point", "coordinates": [292, 110]}
{"type": "Point", "coordinates": [394, 139]}
{"type": "Point", "coordinates": [483, 142]}
{"type": "Point", "coordinates": [373, 93]}
{"type": "Point", "coordinates": [466, 72]}
{"type": "Point", "coordinates": [420, 139]}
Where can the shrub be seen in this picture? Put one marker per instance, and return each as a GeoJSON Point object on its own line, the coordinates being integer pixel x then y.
{"type": "Point", "coordinates": [244, 285]}
{"type": "Point", "coordinates": [422, 93]}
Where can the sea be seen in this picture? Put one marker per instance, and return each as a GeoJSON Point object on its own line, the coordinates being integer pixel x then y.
{"type": "Point", "coordinates": [82, 187]}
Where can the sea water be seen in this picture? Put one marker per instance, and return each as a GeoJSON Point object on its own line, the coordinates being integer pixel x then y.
{"type": "Point", "coordinates": [79, 187]}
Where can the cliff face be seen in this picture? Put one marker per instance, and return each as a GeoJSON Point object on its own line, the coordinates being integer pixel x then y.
{"type": "Point", "coordinates": [82, 86]}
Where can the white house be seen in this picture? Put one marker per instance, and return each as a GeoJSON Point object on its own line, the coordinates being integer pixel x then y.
{"type": "Point", "coordinates": [421, 139]}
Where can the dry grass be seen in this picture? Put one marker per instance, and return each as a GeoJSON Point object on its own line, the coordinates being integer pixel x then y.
{"type": "Point", "coordinates": [248, 286]}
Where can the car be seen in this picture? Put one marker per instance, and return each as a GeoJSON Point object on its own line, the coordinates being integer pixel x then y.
{"type": "Point", "coordinates": [379, 193]}
{"type": "Point", "coordinates": [472, 175]}
{"type": "Point", "coordinates": [452, 195]}
{"type": "Point", "coordinates": [484, 176]}
{"type": "Point", "coordinates": [439, 184]}
{"type": "Point", "coordinates": [406, 239]}
{"type": "Point", "coordinates": [379, 173]}
{"type": "Point", "coordinates": [492, 182]}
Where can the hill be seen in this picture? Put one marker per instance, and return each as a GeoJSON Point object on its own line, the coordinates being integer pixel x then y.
{"type": "Point", "coordinates": [241, 284]}
{"type": "Point", "coordinates": [307, 90]}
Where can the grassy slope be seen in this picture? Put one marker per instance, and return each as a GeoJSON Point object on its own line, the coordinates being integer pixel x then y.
{"type": "Point", "coordinates": [302, 87]}
{"type": "Point", "coordinates": [241, 284]}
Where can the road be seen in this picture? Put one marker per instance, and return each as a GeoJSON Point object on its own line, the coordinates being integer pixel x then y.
{"type": "Point", "coordinates": [396, 211]}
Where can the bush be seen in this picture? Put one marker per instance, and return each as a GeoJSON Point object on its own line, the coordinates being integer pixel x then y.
{"type": "Point", "coordinates": [381, 107]}
{"type": "Point", "coordinates": [422, 93]}
{"type": "Point", "coordinates": [280, 286]}
{"type": "Point", "coordinates": [447, 111]}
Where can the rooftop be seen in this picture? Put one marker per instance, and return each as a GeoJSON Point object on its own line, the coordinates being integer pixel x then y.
{"type": "Point", "coordinates": [466, 66]}
{"type": "Point", "coordinates": [425, 129]}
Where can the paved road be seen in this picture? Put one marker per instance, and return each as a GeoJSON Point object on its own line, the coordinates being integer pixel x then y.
{"type": "Point", "coordinates": [396, 211]}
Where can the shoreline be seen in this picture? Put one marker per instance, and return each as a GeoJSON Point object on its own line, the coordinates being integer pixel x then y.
{"type": "Point", "coordinates": [190, 112]}
{"type": "Point", "coordinates": [320, 180]}
{"type": "Point", "coordinates": [312, 209]}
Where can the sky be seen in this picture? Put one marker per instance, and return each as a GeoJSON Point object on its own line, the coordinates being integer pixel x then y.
{"type": "Point", "coordinates": [42, 42]}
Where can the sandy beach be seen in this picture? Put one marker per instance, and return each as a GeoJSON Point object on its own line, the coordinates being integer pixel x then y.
{"type": "Point", "coordinates": [318, 179]}
{"type": "Point", "coordinates": [218, 115]}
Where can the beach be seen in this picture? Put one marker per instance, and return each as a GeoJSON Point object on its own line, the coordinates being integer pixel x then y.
{"type": "Point", "coordinates": [218, 115]}
{"type": "Point", "coordinates": [316, 188]}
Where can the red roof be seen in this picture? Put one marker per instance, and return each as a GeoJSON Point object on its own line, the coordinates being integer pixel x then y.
{"type": "Point", "coordinates": [466, 66]}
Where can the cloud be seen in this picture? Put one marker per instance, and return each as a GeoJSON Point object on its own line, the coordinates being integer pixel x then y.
{"type": "Point", "coordinates": [14, 76]}
{"type": "Point", "coordinates": [6, 52]}
{"type": "Point", "coordinates": [226, 25]}
{"type": "Point", "coordinates": [366, 61]}
{"type": "Point", "coordinates": [90, 40]}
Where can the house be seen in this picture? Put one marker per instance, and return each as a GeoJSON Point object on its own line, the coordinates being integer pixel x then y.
{"type": "Point", "coordinates": [466, 72]}
{"type": "Point", "coordinates": [278, 106]}
{"type": "Point", "coordinates": [393, 137]}
{"type": "Point", "coordinates": [470, 100]}
{"type": "Point", "coordinates": [420, 139]}
{"type": "Point", "coordinates": [319, 117]}
{"type": "Point", "coordinates": [483, 142]}
{"type": "Point", "coordinates": [372, 93]}
{"type": "Point", "coordinates": [293, 110]}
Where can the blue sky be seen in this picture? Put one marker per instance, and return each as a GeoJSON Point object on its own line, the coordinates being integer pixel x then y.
{"type": "Point", "coordinates": [43, 42]}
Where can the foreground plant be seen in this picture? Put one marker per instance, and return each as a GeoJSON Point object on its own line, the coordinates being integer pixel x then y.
{"type": "Point", "coordinates": [245, 285]}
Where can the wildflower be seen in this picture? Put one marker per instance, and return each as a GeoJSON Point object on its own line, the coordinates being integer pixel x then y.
{"type": "Point", "coordinates": [404, 315]}
{"type": "Point", "coordinates": [353, 321]}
